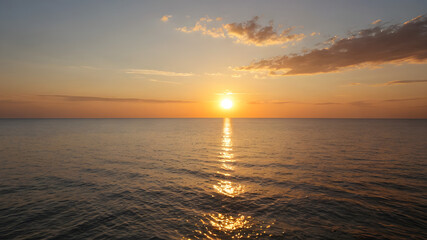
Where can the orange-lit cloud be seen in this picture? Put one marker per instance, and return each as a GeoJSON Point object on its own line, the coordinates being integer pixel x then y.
{"type": "Point", "coordinates": [165, 18]}
{"type": "Point", "coordinates": [158, 72]}
{"type": "Point", "coordinates": [377, 45]}
{"type": "Point", "coordinates": [110, 99]}
{"type": "Point", "coordinates": [252, 33]}
{"type": "Point", "coordinates": [249, 32]}
{"type": "Point", "coordinates": [376, 21]}
{"type": "Point", "coordinates": [201, 26]}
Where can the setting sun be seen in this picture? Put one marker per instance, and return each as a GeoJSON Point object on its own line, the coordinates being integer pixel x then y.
{"type": "Point", "coordinates": [226, 103]}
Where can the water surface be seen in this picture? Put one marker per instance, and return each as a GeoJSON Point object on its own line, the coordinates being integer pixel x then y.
{"type": "Point", "coordinates": [213, 179]}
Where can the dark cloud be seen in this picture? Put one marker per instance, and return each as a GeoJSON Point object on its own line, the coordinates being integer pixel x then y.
{"type": "Point", "coordinates": [405, 82]}
{"type": "Point", "coordinates": [251, 33]}
{"type": "Point", "coordinates": [108, 99]}
{"type": "Point", "coordinates": [376, 45]}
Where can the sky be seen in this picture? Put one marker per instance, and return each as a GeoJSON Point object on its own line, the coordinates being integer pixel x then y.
{"type": "Point", "coordinates": [178, 59]}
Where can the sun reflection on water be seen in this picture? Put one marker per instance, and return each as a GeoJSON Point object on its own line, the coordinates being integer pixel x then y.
{"type": "Point", "coordinates": [226, 187]}
{"type": "Point", "coordinates": [217, 226]}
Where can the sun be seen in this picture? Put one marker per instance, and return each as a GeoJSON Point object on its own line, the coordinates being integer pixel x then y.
{"type": "Point", "coordinates": [226, 103]}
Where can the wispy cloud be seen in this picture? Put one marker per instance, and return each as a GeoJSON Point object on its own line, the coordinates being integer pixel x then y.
{"type": "Point", "coordinates": [404, 82]}
{"type": "Point", "coordinates": [249, 32]}
{"type": "Point", "coordinates": [110, 99]}
{"type": "Point", "coordinates": [161, 81]}
{"type": "Point", "coordinates": [12, 101]}
{"type": "Point", "coordinates": [214, 74]}
{"type": "Point", "coordinates": [158, 73]}
{"type": "Point", "coordinates": [201, 26]}
{"type": "Point", "coordinates": [271, 102]}
{"type": "Point", "coordinates": [376, 21]}
{"type": "Point", "coordinates": [84, 67]}
{"type": "Point", "coordinates": [403, 99]}
{"type": "Point", "coordinates": [165, 18]}
{"type": "Point", "coordinates": [360, 103]}
{"type": "Point", "coordinates": [376, 45]}
{"type": "Point", "coordinates": [326, 103]}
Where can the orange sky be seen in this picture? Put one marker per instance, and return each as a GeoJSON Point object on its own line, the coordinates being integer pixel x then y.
{"type": "Point", "coordinates": [147, 59]}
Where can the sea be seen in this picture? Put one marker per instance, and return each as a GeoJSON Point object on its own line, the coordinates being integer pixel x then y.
{"type": "Point", "coordinates": [213, 179]}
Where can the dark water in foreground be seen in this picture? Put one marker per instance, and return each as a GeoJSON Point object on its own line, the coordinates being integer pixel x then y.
{"type": "Point", "coordinates": [213, 179]}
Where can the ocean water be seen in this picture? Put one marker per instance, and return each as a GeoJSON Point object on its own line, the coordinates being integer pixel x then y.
{"type": "Point", "coordinates": [213, 179]}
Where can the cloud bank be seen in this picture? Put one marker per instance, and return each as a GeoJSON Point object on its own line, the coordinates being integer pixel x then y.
{"type": "Point", "coordinates": [249, 32]}
{"type": "Point", "coordinates": [372, 46]}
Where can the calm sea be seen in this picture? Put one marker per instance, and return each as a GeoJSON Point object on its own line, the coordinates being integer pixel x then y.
{"type": "Point", "coordinates": [213, 179]}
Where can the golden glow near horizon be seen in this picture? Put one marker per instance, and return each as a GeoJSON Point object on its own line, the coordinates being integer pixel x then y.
{"type": "Point", "coordinates": [181, 61]}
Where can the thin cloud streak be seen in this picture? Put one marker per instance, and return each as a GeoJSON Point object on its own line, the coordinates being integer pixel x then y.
{"type": "Point", "coordinates": [361, 103]}
{"type": "Point", "coordinates": [11, 101]}
{"type": "Point", "coordinates": [403, 99]}
{"type": "Point", "coordinates": [404, 82]}
{"type": "Point", "coordinates": [109, 99]}
{"type": "Point", "coordinates": [160, 81]}
{"type": "Point", "coordinates": [158, 73]}
{"type": "Point", "coordinates": [369, 47]}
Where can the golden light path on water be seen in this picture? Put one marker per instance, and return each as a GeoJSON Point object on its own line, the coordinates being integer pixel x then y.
{"type": "Point", "coordinates": [226, 187]}
{"type": "Point", "coordinates": [217, 226]}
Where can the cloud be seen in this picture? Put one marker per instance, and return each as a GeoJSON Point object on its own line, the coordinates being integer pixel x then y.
{"type": "Point", "coordinates": [109, 99]}
{"type": "Point", "coordinates": [214, 74]}
{"type": "Point", "coordinates": [377, 45]}
{"type": "Point", "coordinates": [201, 26]}
{"type": "Point", "coordinates": [271, 102]}
{"type": "Point", "coordinates": [404, 82]}
{"type": "Point", "coordinates": [403, 99]}
{"type": "Point", "coordinates": [160, 81]}
{"type": "Point", "coordinates": [165, 18]}
{"type": "Point", "coordinates": [11, 101]}
{"type": "Point", "coordinates": [376, 21]}
{"type": "Point", "coordinates": [249, 32]}
{"type": "Point", "coordinates": [158, 73]}
{"type": "Point", "coordinates": [326, 103]}
{"type": "Point", "coordinates": [360, 103]}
